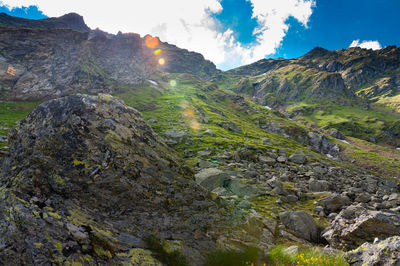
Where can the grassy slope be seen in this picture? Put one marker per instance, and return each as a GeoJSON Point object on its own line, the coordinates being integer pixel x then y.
{"type": "Point", "coordinates": [11, 112]}
{"type": "Point", "coordinates": [195, 106]}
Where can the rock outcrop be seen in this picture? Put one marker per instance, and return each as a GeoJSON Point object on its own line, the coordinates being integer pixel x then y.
{"type": "Point", "coordinates": [71, 21]}
{"type": "Point", "coordinates": [50, 58]}
{"type": "Point", "coordinates": [354, 226]}
{"type": "Point", "coordinates": [381, 252]}
{"type": "Point", "coordinates": [87, 180]}
{"type": "Point", "coordinates": [302, 224]}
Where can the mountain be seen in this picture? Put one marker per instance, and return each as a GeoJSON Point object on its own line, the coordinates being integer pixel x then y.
{"type": "Point", "coordinates": [69, 21]}
{"type": "Point", "coordinates": [108, 157]}
{"type": "Point", "coordinates": [330, 89]}
{"type": "Point", "coordinates": [53, 57]}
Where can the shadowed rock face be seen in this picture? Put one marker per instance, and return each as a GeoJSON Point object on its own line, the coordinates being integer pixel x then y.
{"type": "Point", "coordinates": [87, 179]}
{"type": "Point", "coordinates": [54, 57]}
{"type": "Point", "coordinates": [68, 21]}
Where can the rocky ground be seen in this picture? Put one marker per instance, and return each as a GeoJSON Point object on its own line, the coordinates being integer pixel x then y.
{"type": "Point", "coordinates": [87, 180]}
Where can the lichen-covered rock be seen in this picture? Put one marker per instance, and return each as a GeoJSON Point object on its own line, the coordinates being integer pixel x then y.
{"type": "Point", "coordinates": [384, 252]}
{"type": "Point", "coordinates": [352, 228]}
{"type": "Point", "coordinates": [87, 180]}
{"type": "Point", "coordinates": [302, 224]}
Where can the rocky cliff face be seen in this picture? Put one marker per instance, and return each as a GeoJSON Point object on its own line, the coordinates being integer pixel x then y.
{"type": "Point", "coordinates": [87, 180]}
{"type": "Point", "coordinates": [66, 57]}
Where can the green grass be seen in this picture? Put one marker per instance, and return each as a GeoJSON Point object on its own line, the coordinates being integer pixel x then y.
{"type": "Point", "coordinates": [195, 106]}
{"type": "Point", "coordinates": [305, 256]}
{"type": "Point", "coordinates": [11, 112]}
{"type": "Point", "coordinates": [351, 120]}
{"type": "Point", "coordinates": [246, 257]}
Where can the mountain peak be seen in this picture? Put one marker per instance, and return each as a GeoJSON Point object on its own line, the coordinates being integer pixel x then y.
{"type": "Point", "coordinates": [72, 21]}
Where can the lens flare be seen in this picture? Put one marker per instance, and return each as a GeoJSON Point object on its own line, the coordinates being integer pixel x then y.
{"type": "Point", "coordinates": [151, 41]}
{"type": "Point", "coordinates": [161, 61]}
{"type": "Point", "coordinates": [195, 125]}
{"type": "Point", "coordinates": [172, 83]}
{"type": "Point", "coordinates": [157, 51]}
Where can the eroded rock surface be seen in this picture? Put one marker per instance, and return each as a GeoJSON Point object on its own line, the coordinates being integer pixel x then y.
{"type": "Point", "coordinates": [87, 180]}
{"type": "Point", "coordinates": [385, 252]}
{"type": "Point", "coordinates": [355, 226]}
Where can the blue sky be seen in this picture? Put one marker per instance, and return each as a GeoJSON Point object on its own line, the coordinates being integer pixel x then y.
{"type": "Point", "coordinates": [235, 32]}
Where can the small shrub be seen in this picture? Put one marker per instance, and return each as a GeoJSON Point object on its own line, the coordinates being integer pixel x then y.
{"type": "Point", "coordinates": [174, 258]}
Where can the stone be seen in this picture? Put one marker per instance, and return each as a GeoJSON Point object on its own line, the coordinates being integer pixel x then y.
{"type": "Point", "coordinates": [298, 158]}
{"type": "Point", "coordinates": [209, 132]}
{"type": "Point", "coordinates": [291, 250]}
{"type": "Point", "coordinates": [266, 160]}
{"type": "Point", "coordinates": [318, 185]}
{"type": "Point", "coordinates": [174, 134]}
{"type": "Point", "coordinates": [244, 204]}
{"type": "Point", "coordinates": [204, 164]}
{"type": "Point", "coordinates": [302, 224]}
{"type": "Point", "coordinates": [381, 252]}
{"type": "Point", "coordinates": [363, 197]}
{"type": "Point", "coordinates": [242, 189]}
{"type": "Point", "coordinates": [355, 229]}
{"type": "Point", "coordinates": [281, 159]}
{"type": "Point", "coordinates": [336, 134]}
{"type": "Point", "coordinates": [335, 202]}
{"type": "Point", "coordinates": [211, 178]}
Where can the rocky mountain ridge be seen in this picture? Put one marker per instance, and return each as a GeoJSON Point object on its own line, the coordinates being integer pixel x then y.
{"type": "Point", "coordinates": [43, 59]}
{"type": "Point", "coordinates": [352, 70]}
{"type": "Point", "coordinates": [68, 21]}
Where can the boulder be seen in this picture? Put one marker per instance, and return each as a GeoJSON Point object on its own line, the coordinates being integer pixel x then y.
{"type": "Point", "coordinates": [298, 158]}
{"type": "Point", "coordinates": [381, 252]}
{"type": "Point", "coordinates": [302, 224]}
{"type": "Point", "coordinates": [335, 202]}
{"type": "Point", "coordinates": [336, 134]}
{"type": "Point", "coordinates": [211, 178]}
{"type": "Point", "coordinates": [266, 160]}
{"type": "Point", "coordinates": [318, 185]}
{"type": "Point", "coordinates": [175, 134]}
{"type": "Point", "coordinates": [209, 132]}
{"type": "Point", "coordinates": [86, 179]}
{"type": "Point", "coordinates": [242, 189]}
{"type": "Point", "coordinates": [350, 229]}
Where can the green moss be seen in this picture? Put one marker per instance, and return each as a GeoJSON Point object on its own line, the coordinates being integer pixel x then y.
{"type": "Point", "coordinates": [164, 253]}
{"type": "Point", "coordinates": [78, 163]}
{"type": "Point", "coordinates": [138, 256]}
{"type": "Point", "coordinates": [54, 215]}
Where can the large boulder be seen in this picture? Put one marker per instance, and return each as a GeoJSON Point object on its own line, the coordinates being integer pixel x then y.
{"type": "Point", "coordinates": [87, 180]}
{"type": "Point", "coordinates": [335, 203]}
{"type": "Point", "coordinates": [302, 224]}
{"type": "Point", "coordinates": [211, 178]}
{"type": "Point", "coordinates": [384, 252]}
{"type": "Point", "coordinates": [298, 158]}
{"type": "Point", "coordinates": [353, 227]}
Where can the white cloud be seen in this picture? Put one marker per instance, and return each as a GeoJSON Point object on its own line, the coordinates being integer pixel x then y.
{"type": "Point", "coordinates": [185, 23]}
{"type": "Point", "coordinates": [374, 45]}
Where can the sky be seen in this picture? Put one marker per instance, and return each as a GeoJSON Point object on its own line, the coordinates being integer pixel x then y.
{"type": "Point", "coordinates": [232, 33]}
